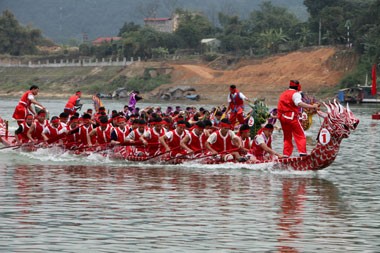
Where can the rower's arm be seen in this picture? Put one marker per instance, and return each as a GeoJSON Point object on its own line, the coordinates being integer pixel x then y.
{"type": "Point", "coordinates": [269, 150]}
{"type": "Point", "coordinates": [30, 132]}
{"type": "Point", "coordinates": [208, 146]}
{"type": "Point", "coordinates": [163, 142]}
{"type": "Point", "coordinates": [183, 143]}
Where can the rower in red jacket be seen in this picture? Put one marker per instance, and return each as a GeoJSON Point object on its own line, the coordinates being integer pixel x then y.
{"type": "Point", "coordinates": [246, 143]}
{"type": "Point", "coordinates": [51, 131]}
{"type": "Point", "coordinates": [135, 137]}
{"type": "Point", "coordinates": [225, 143]}
{"type": "Point", "coordinates": [152, 135]}
{"type": "Point", "coordinates": [172, 140]}
{"type": "Point", "coordinates": [262, 145]}
{"type": "Point", "coordinates": [194, 141]}
{"type": "Point", "coordinates": [71, 140]}
{"type": "Point", "coordinates": [22, 131]}
{"type": "Point", "coordinates": [36, 129]}
{"type": "Point", "coordinates": [102, 133]}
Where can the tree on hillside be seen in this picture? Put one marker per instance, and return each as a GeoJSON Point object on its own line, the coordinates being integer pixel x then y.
{"type": "Point", "coordinates": [235, 36]}
{"type": "Point", "coordinates": [304, 36]}
{"type": "Point", "coordinates": [128, 27]}
{"type": "Point", "coordinates": [271, 17]}
{"type": "Point", "coordinates": [333, 22]}
{"type": "Point", "coordinates": [271, 39]}
{"type": "Point", "coordinates": [15, 39]}
{"type": "Point", "coordinates": [193, 28]}
{"type": "Point", "coordinates": [314, 7]}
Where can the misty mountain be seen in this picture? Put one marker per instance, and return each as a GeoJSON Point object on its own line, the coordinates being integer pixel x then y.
{"type": "Point", "coordinates": [62, 20]}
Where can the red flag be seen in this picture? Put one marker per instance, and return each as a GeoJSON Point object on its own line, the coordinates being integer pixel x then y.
{"type": "Point", "coordinates": [373, 90]}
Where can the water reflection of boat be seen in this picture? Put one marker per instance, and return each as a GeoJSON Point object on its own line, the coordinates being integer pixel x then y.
{"type": "Point", "coordinates": [296, 192]}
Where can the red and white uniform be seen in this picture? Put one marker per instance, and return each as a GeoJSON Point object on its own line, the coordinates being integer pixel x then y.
{"type": "Point", "coordinates": [104, 136]}
{"type": "Point", "coordinates": [121, 134]}
{"type": "Point", "coordinates": [259, 139]}
{"type": "Point", "coordinates": [196, 143]}
{"type": "Point", "coordinates": [22, 108]}
{"type": "Point", "coordinates": [153, 136]}
{"type": "Point", "coordinates": [39, 128]}
{"type": "Point", "coordinates": [135, 136]}
{"type": "Point", "coordinates": [84, 131]}
{"type": "Point", "coordinates": [221, 143]}
{"type": "Point", "coordinates": [71, 140]}
{"type": "Point", "coordinates": [236, 103]}
{"type": "Point", "coordinates": [52, 132]}
{"type": "Point", "coordinates": [288, 115]}
{"type": "Point", "coordinates": [174, 141]}
{"type": "Point", "coordinates": [23, 137]}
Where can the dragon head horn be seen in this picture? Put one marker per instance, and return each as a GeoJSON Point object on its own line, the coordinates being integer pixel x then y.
{"type": "Point", "coordinates": [327, 107]}
{"type": "Point", "coordinates": [338, 107]}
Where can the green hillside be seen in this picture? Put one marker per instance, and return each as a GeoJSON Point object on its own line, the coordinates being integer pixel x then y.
{"type": "Point", "coordinates": [62, 20]}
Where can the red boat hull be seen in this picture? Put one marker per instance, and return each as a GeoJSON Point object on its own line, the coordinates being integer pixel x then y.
{"type": "Point", "coordinates": [376, 116]}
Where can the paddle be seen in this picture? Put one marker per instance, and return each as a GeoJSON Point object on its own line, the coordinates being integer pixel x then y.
{"type": "Point", "coordinates": [186, 155]}
{"type": "Point", "coordinates": [160, 154]}
{"type": "Point", "coordinates": [11, 146]}
{"type": "Point", "coordinates": [220, 153]}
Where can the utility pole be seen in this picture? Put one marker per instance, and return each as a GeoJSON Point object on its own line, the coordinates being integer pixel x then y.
{"type": "Point", "coordinates": [320, 32]}
{"type": "Point", "coordinates": [348, 25]}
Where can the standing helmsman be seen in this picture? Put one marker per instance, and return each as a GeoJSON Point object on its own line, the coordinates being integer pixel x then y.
{"type": "Point", "coordinates": [24, 106]}
{"type": "Point", "coordinates": [288, 111]}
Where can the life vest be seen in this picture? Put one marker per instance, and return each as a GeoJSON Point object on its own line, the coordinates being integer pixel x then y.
{"type": "Point", "coordinates": [286, 107]}
{"type": "Point", "coordinates": [71, 102]}
{"type": "Point", "coordinates": [103, 136]}
{"type": "Point", "coordinates": [222, 143]}
{"type": "Point", "coordinates": [236, 102]}
{"type": "Point", "coordinates": [256, 149]}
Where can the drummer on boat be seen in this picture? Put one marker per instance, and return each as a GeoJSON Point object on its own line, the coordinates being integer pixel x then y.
{"type": "Point", "coordinates": [73, 104]}
{"type": "Point", "coordinates": [236, 105]}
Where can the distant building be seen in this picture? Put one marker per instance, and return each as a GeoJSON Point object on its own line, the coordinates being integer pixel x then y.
{"type": "Point", "coordinates": [101, 40]}
{"type": "Point", "coordinates": [168, 25]}
{"type": "Point", "coordinates": [210, 45]}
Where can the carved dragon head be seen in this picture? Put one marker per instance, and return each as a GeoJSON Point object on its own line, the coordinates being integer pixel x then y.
{"type": "Point", "coordinates": [340, 120]}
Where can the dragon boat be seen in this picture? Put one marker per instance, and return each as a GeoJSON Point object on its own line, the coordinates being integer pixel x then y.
{"type": "Point", "coordinates": [338, 123]}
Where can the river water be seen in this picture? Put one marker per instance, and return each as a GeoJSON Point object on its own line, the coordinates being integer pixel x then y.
{"type": "Point", "coordinates": [53, 202]}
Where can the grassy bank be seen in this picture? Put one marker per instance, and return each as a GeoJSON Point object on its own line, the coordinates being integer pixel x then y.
{"type": "Point", "coordinates": [60, 82]}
